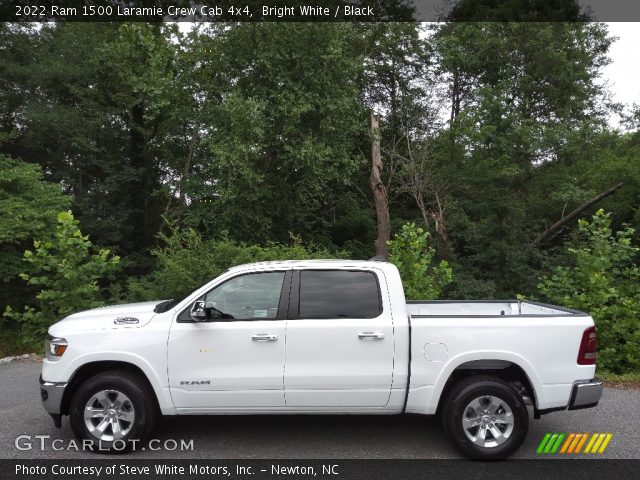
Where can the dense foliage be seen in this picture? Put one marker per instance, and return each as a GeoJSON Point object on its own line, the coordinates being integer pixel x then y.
{"type": "Point", "coordinates": [187, 261]}
{"type": "Point", "coordinates": [28, 209]}
{"type": "Point", "coordinates": [66, 270]}
{"type": "Point", "coordinates": [602, 277]}
{"type": "Point", "coordinates": [185, 151]}
{"type": "Point", "coordinates": [422, 277]}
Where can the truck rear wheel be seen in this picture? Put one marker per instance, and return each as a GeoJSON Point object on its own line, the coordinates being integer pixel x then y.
{"type": "Point", "coordinates": [112, 411]}
{"type": "Point", "coordinates": [485, 418]}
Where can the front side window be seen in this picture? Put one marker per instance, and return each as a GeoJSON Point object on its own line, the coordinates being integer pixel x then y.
{"type": "Point", "coordinates": [339, 294]}
{"type": "Point", "coordinates": [253, 296]}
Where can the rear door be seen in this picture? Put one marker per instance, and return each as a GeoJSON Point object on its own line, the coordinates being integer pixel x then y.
{"type": "Point", "coordinates": [340, 345]}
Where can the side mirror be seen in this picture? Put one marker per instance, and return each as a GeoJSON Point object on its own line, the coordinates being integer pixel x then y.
{"type": "Point", "coordinates": [198, 312]}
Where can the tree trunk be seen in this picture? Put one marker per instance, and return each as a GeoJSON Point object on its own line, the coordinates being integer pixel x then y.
{"type": "Point", "coordinates": [379, 191]}
{"type": "Point", "coordinates": [437, 217]}
{"type": "Point", "coordinates": [139, 183]}
{"type": "Point", "coordinates": [441, 228]}
{"type": "Point", "coordinates": [553, 229]}
{"type": "Point", "coordinates": [455, 97]}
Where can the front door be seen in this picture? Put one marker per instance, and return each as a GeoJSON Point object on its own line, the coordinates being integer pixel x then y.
{"type": "Point", "coordinates": [340, 342]}
{"type": "Point", "coordinates": [234, 359]}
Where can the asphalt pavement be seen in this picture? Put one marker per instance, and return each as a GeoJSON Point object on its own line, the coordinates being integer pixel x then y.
{"type": "Point", "coordinates": [294, 436]}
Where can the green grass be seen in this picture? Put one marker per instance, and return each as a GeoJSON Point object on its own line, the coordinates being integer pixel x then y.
{"type": "Point", "coordinates": [629, 377]}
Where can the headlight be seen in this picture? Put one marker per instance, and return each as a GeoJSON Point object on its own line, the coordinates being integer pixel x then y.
{"type": "Point", "coordinates": [54, 347]}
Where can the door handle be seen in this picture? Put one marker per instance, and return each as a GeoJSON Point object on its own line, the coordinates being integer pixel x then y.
{"type": "Point", "coordinates": [264, 337]}
{"type": "Point", "coordinates": [371, 335]}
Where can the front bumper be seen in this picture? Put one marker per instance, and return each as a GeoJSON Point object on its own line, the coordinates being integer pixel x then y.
{"type": "Point", "coordinates": [51, 394]}
{"type": "Point", "coordinates": [585, 394]}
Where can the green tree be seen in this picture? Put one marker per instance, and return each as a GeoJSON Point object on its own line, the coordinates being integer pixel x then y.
{"type": "Point", "coordinates": [99, 109]}
{"type": "Point", "coordinates": [602, 278]}
{"type": "Point", "coordinates": [28, 209]}
{"type": "Point", "coordinates": [411, 252]}
{"type": "Point", "coordinates": [67, 272]}
{"type": "Point", "coordinates": [261, 130]}
{"type": "Point", "coordinates": [521, 96]}
{"type": "Point", "coordinates": [284, 121]}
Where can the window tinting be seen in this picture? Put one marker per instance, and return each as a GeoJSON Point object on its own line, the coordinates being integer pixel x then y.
{"type": "Point", "coordinates": [339, 294]}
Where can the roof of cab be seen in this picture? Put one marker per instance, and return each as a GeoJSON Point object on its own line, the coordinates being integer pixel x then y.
{"type": "Point", "coordinates": [307, 263]}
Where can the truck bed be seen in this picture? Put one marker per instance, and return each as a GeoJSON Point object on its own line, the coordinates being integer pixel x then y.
{"type": "Point", "coordinates": [542, 340]}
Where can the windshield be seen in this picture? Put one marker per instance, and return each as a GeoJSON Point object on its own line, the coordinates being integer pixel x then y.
{"type": "Point", "coordinates": [169, 304]}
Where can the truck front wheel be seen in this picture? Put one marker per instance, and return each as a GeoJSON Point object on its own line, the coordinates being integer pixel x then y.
{"type": "Point", "coordinates": [485, 418]}
{"type": "Point", "coordinates": [112, 411]}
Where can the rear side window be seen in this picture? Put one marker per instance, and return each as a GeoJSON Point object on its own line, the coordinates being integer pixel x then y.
{"type": "Point", "coordinates": [339, 294]}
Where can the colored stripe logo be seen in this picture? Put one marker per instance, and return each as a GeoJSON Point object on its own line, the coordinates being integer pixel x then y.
{"type": "Point", "coordinates": [574, 443]}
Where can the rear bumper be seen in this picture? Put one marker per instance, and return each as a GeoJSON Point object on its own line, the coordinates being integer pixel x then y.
{"type": "Point", "coordinates": [51, 394]}
{"type": "Point", "coordinates": [585, 394]}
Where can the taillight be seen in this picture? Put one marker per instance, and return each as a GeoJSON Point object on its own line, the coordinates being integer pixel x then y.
{"type": "Point", "coordinates": [588, 347]}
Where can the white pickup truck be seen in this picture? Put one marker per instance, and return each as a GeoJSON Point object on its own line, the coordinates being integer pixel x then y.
{"type": "Point", "coordinates": [319, 337]}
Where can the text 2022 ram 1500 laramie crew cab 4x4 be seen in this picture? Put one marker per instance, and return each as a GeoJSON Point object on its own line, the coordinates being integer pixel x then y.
{"type": "Point", "coordinates": [319, 337]}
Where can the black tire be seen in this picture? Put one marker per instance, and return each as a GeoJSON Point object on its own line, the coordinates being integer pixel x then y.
{"type": "Point", "coordinates": [141, 399]}
{"type": "Point", "coordinates": [459, 398]}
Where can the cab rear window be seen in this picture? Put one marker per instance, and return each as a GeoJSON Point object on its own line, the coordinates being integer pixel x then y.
{"type": "Point", "coordinates": [339, 294]}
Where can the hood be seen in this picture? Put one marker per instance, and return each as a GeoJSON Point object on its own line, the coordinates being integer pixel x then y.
{"type": "Point", "coordinates": [104, 318]}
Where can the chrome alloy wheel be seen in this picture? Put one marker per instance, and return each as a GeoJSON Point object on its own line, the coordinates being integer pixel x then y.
{"type": "Point", "coordinates": [488, 421]}
{"type": "Point", "coordinates": [109, 415]}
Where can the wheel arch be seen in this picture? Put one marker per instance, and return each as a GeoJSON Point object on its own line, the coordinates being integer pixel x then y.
{"type": "Point", "coordinates": [505, 367]}
{"type": "Point", "coordinates": [94, 368]}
